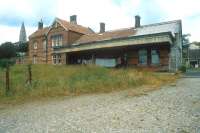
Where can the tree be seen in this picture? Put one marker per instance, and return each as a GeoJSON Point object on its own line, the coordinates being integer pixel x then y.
{"type": "Point", "coordinates": [186, 44]}
{"type": "Point", "coordinates": [197, 44]}
{"type": "Point", "coordinates": [7, 50]}
{"type": "Point", "coordinates": [22, 47]}
{"type": "Point", "coordinates": [186, 41]}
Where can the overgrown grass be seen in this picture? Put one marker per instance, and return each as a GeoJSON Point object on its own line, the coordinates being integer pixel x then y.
{"type": "Point", "coordinates": [55, 81]}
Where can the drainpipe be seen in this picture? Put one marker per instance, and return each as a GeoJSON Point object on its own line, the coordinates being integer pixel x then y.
{"type": "Point", "coordinates": [46, 51]}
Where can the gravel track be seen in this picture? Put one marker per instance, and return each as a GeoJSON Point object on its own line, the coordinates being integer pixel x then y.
{"type": "Point", "coordinates": [172, 109]}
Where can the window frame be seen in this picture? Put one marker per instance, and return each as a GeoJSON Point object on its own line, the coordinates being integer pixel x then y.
{"type": "Point", "coordinates": [57, 59]}
{"type": "Point", "coordinates": [57, 40]}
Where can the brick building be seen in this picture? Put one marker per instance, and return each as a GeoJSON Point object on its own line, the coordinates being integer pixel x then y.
{"type": "Point", "coordinates": [156, 45]}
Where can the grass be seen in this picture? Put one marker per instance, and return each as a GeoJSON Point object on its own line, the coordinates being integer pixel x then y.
{"type": "Point", "coordinates": [57, 81]}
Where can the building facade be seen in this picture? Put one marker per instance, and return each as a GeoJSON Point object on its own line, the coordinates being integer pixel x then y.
{"type": "Point", "coordinates": [157, 46]}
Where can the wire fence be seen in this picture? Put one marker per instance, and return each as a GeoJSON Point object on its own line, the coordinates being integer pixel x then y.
{"type": "Point", "coordinates": [10, 83]}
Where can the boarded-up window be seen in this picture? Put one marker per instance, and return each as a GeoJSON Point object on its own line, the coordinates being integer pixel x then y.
{"type": "Point", "coordinates": [155, 59]}
{"type": "Point", "coordinates": [143, 57]}
{"type": "Point", "coordinates": [106, 62]}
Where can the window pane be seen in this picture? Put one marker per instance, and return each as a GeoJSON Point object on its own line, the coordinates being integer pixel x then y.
{"type": "Point", "coordinates": [143, 57]}
{"type": "Point", "coordinates": [57, 40]}
{"type": "Point", "coordinates": [155, 57]}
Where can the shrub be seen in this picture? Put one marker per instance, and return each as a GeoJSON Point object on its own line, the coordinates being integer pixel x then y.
{"type": "Point", "coordinates": [182, 68]}
{"type": "Point", "coordinates": [5, 62]}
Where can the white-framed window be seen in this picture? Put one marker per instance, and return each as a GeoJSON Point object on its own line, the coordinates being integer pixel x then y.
{"type": "Point", "coordinates": [34, 59]}
{"type": "Point", "coordinates": [143, 57]}
{"type": "Point", "coordinates": [44, 43]}
{"type": "Point", "coordinates": [35, 45]}
{"type": "Point", "coordinates": [56, 59]}
{"type": "Point", "coordinates": [57, 40]}
{"type": "Point", "coordinates": [155, 58]}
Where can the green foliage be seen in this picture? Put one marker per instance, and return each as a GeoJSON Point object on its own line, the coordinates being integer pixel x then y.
{"type": "Point", "coordinates": [5, 62]}
{"type": "Point", "coordinates": [7, 50]}
{"type": "Point", "coordinates": [183, 68]}
{"type": "Point", "coordinates": [22, 47]}
{"type": "Point", "coordinates": [186, 40]}
{"type": "Point", "coordinates": [197, 44]}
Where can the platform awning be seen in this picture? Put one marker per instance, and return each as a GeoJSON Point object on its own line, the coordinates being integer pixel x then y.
{"type": "Point", "coordinates": [158, 39]}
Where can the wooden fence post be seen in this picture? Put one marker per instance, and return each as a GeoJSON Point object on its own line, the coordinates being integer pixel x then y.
{"type": "Point", "coordinates": [29, 74]}
{"type": "Point", "coordinates": [7, 79]}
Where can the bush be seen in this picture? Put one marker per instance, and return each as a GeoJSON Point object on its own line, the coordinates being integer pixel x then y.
{"type": "Point", "coordinates": [182, 68]}
{"type": "Point", "coordinates": [5, 62]}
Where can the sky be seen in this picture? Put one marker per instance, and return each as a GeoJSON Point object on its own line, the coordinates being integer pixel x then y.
{"type": "Point", "coordinates": [115, 13]}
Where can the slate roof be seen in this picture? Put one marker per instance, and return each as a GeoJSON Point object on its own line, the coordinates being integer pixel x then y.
{"type": "Point", "coordinates": [40, 32]}
{"type": "Point", "coordinates": [170, 26]}
{"type": "Point", "coordinates": [66, 25]}
{"type": "Point", "coordinates": [106, 35]}
{"type": "Point", "coordinates": [75, 27]}
{"type": "Point", "coordinates": [89, 35]}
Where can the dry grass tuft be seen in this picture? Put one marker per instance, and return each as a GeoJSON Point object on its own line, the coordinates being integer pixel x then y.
{"type": "Point", "coordinates": [57, 81]}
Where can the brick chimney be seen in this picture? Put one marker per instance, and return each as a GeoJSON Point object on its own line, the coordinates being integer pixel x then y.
{"type": "Point", "coordinates": [137, 21]}
{"type": "Point", "coordinates": [102, 27]}
{"type": "Point", "coordinates": [40, 25]}
{"type": "Point", "coordinates": [73, 19]}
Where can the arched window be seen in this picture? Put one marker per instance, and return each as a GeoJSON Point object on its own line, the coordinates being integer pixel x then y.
{"type": "Point", "coordinates": [35, 45]}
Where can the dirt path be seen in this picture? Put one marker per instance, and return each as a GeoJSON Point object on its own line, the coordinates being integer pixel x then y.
{"type": "Point", "coordinates": [171, 109]}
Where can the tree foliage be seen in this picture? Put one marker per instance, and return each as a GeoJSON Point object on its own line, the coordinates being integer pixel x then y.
{"type": "Point", "coordinates": [22, 47]}
{"type": "Point", "coordinates": [7, 50]}
{"type": "Point", "coordinates": [186, 40]}
{"type": "Point", "coordinates": [197, 44]}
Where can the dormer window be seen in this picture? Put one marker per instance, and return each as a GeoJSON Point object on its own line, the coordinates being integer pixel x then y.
{"type": "Point", "coordinates": [57, 40]}
{"type": "Point", "coordinates": [35, 45]}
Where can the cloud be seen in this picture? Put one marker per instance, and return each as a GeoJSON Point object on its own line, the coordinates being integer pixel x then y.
{"type": "Point", "coordinates": [11, 34]}
{"type": "Point", "coordinates": [115, 13]}
{"type": "Point", "coordinates": [91, 12]}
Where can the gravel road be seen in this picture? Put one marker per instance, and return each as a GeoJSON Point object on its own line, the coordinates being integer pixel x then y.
{"type": "Point", "coordinates": [174, 108]}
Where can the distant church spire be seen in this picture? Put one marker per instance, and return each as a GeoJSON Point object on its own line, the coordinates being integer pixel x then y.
{"type": "Point", "coordinates": [22, 36]}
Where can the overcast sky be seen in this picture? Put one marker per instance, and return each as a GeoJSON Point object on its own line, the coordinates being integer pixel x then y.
{"type": "Point", "coordinates": [115, 13]}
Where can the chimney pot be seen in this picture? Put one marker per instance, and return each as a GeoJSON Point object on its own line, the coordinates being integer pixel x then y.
{"type": "Point", "coordinates": [40, 25]}
{"type": "Point", "coordinates": [137, 21]}
{"type": "Point", "coordinates": [102, 27]}
{"type": "Point", "coordinates": [73, 19]}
